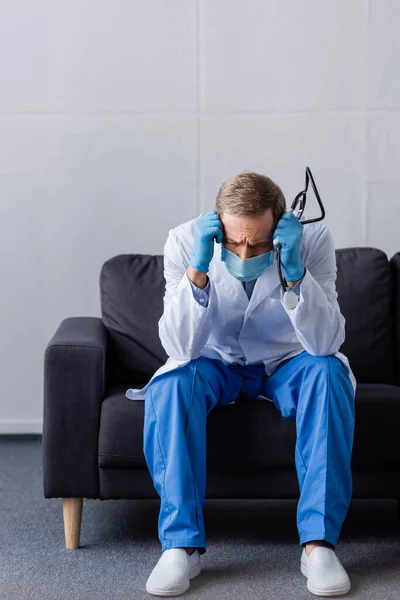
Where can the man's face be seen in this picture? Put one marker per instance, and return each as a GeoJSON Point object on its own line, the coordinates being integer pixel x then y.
{"type": "Point", "coordinates": [248, 236]}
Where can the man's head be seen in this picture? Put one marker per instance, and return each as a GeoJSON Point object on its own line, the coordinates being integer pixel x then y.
{"type": "Point", "coordinates": [249, 206]}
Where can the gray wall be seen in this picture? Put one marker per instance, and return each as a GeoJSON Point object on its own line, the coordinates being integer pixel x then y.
{"type": "Point", "coordinates": [119, 120]}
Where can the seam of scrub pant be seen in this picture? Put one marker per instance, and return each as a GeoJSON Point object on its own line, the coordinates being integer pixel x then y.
{"type": "Point", "coordinates": [302, 459]}
{"type": "Point", "coordinates": [297, 448]}
{"type": "Point", "coordinates": [162, 457]}
{"type": "Point", "coordinates": [196, 494]}
{"type": "Point", "coordinates": [321, 535]}
{"type": "Point", "coordinates": [191, 398]}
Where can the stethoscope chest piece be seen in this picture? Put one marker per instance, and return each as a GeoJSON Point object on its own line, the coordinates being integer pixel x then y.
{"type": "Point", "coordinates": [290, 299]}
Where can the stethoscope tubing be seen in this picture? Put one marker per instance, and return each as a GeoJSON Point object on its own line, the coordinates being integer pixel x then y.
{"type": "Point", "coordinates": [302, 198]}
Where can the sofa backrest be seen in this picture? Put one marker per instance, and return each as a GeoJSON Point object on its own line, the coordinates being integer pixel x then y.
{"type": "Point", "coordinates": [364, 287]}
{"type": "Point", "coordinates": [132, 289]}
{"type": "Point", "coordinates": [131, 294]}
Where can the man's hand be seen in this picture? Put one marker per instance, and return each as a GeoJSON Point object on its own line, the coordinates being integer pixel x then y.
{"type": "Point", "coordinates": [206, 228]}
{"type": "Point", "coordinates": [289, 233]}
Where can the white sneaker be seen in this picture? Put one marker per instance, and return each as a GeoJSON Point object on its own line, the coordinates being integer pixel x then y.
{"type": "Point", "coordinates": [325, 573]}
{"type": "Point", "coordinates": [172, 574]}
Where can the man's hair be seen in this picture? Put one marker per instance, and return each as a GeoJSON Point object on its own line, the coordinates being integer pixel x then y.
{"type": "Point", "coordinates": [250, 194]}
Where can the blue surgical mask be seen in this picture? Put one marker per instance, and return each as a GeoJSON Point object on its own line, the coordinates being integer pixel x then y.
{"type": "Point", "coordinates": [248, 269]}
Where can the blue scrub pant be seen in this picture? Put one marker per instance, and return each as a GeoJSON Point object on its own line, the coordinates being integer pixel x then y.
{"type": "Point", "coordinates": [315, 391]}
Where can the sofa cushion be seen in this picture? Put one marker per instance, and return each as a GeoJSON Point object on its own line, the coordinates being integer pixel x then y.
{"type": "Point", "coordinates": [365, 295]}
{"type": "Point", "coordinates": [252, 434]}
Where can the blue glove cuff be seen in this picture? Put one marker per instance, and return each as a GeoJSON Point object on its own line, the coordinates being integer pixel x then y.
{"type": "Point", "coordinates": [294, 273]}
{"type": "Point", "coordinates": [198, 264]}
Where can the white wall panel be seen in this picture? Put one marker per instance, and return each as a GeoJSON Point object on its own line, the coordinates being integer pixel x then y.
{"type": "Point", "coordinates": [263, 56]}
{"type": "Point", "coordinates": [88, 55]}
{"type": "Point", "coordinates": [384, 55]}
{"type": "Point", "coordinates": [333, 146]}
{"type": "Point", "coordinates": [383, 147]}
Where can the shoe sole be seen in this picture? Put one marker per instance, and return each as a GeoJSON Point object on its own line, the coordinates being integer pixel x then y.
{"type": "Point", "coordinates": [193, 573]}
{"type": "Point", "coordinates": [319, 592]}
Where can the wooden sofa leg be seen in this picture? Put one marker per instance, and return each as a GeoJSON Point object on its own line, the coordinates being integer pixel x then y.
{"type": "Point", "coordinates": [72, 513]}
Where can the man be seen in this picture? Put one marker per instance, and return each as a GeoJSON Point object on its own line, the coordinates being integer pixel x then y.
{"type": "Point", "coordinates": [228, 332]}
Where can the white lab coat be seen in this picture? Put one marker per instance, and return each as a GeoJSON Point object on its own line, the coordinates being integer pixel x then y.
{"type": "Point", "coordinates": [235, 329]}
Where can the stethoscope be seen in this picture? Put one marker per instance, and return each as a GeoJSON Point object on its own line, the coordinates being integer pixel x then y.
{"type": "Point", "coordinates": [290, 298]}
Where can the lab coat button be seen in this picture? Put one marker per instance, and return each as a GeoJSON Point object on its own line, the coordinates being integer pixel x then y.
{"type": "Point", "coordinates": [201, 300]}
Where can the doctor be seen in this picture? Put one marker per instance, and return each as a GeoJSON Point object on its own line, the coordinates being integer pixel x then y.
{"type": "Point", "coordinates": [228, 332]}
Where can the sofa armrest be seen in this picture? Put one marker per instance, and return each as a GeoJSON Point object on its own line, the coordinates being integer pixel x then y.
{"type": "Point", "coordinates": [74, 383]}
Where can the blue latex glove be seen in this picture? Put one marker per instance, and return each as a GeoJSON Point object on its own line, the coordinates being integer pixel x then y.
{"type": "Point", "coordinates": [206, 227]}
{"type": "Point", "coordinates": [289, 233]}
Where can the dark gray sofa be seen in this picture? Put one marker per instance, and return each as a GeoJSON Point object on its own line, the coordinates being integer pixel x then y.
{"type": "Point", "coordinates": [93, 435]}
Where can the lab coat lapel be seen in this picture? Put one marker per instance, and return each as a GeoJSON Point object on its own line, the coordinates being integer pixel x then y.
{"type": "Point", "coordinates": [265, 286]}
